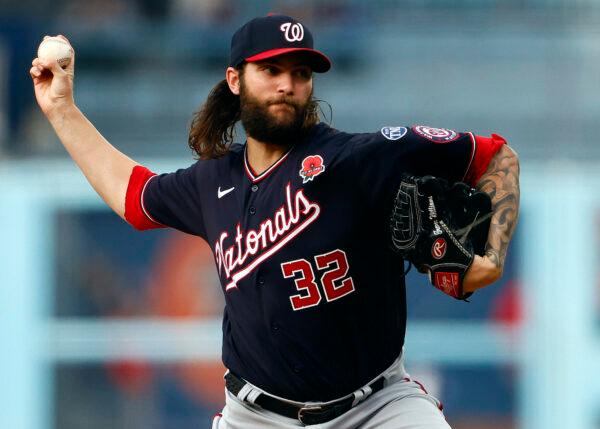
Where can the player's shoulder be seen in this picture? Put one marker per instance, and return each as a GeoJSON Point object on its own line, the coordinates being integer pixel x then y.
{"type": "Point", "coordinates": [325, 140]}
{"type": "Point", "coordinates": [382, 136]}
{"type": "Point", "coordinates": [206, 170]}
{"type": "Point", "coordinates": [411, 135]}
{"type": "Point", "coordinates": [326, 137]}
{"type": "Point", "coordinates": [414, 133]}
{"type": "Point", "coordinates": [235, 151]}
{"type": "Point", "coordinates": [324, 133]}
{"type": "Point", "coordinates": [385, 133]}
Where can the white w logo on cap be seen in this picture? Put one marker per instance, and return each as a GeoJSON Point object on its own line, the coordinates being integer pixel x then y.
{"type": "Point", "coordinates": [293, 33]}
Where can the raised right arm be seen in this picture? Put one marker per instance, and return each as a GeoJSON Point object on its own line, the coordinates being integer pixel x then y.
{"type": "Point", "coordinates": [105, 168]}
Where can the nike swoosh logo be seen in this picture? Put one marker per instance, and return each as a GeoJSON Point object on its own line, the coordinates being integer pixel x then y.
{"type": "Point", "coordinates": [221, 194]}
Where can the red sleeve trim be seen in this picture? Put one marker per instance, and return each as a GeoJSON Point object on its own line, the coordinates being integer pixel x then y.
{"type": "Point", "coordinates": [485, 148]}
{"type": "Point", "coordinates": [135, 213]}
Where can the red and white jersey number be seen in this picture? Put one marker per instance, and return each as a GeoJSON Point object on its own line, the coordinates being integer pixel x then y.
{"type": "Point", "coordinates": [305, 281]}
{"type": "Point", "coordinates": [335, 282]}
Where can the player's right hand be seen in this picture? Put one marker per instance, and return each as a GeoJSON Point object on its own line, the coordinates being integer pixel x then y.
{"type": "Point", "coordinates": [53, 85]}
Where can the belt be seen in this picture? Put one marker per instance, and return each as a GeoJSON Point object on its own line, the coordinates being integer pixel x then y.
{"type": "Point", "coordinates": [308, 414]}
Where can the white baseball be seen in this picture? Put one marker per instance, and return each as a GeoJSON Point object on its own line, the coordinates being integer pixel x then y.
{"type": "Point", "coordinates": [55, 49]}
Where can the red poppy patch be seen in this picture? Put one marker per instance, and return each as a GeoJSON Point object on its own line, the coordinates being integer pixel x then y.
{"type": "Point", "coordinates": [312, 166]}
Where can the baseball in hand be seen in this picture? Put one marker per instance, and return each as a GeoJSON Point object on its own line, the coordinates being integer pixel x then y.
{"type": "Point", "coordinates": [55, 49]}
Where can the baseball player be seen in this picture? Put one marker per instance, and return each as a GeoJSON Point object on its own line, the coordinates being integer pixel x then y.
{"type": "Point", "coordinates": [298, 220]}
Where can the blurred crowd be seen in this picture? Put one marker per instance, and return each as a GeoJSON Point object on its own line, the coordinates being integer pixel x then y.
{"type": "Point", "coordinates": [181, 37]}
{"type": "Point", "coordinates": [110, 32]}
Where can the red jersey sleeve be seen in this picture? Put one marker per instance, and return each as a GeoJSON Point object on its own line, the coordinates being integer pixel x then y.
{"type": "Point", "coordinates": [485, 148]}
{"type": "Point", "coordinates": [134, 208]}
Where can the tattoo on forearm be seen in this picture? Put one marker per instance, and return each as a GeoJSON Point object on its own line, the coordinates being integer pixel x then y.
{"type": "Point", "coordinates": [501, 183]}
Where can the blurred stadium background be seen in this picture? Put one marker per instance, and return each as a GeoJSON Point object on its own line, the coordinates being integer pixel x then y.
{"type": "Point", "coordinates": [104, 327]}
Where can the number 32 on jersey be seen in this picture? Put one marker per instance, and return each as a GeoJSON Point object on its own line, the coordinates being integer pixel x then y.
{"type": "Point", "coordinates": [335, 282]}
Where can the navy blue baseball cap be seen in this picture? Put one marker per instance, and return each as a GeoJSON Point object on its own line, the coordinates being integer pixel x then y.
{"type": "Point", "coordinates": [273, 35]}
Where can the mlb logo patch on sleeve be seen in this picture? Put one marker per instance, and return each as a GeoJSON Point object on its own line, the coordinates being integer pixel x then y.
{"type": "Point", "coordinates": [393, 133]}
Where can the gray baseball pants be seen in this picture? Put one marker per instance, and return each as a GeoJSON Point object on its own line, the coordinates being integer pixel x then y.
{"type": "Point", "coordinates": [402, 404]}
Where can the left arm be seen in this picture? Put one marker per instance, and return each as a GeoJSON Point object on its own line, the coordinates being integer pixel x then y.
{"type": "Point", "coordinates": [501, 183]}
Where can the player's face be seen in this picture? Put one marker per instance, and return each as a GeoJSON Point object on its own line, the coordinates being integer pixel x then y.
{"type": "Point", "coordinates": [274, 96]}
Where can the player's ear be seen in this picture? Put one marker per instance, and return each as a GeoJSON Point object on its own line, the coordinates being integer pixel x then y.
{"type": "Point", "coordinates": [233, 80]}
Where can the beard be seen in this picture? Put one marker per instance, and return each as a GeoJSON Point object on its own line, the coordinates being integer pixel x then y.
{"type": "Point", "coordinates": [260, 124]}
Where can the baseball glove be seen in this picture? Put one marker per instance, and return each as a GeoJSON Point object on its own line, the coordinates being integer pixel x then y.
{"type": "Point", "coordinates": [439, 227]}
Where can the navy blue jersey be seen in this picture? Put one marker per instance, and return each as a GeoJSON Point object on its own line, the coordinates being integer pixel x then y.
{"type": "Point", "coordinates": [315, 299]}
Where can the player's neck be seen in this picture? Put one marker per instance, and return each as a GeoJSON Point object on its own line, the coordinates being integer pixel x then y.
{"type": "Point", "coordinates": [263, 155]}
